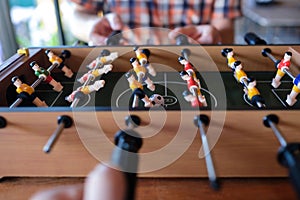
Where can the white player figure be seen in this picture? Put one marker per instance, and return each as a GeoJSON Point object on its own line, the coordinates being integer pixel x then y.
{"type": "Point", "coordinates": [105, 57]}
{"type": "Point", "coordinates": [92, 74]}
{"type": "Point", "coordinates": [85, 90]}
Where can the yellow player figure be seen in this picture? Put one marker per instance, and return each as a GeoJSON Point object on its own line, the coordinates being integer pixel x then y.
{"type": "Point", "coordinates": [143, 57]}
{"type": "Point", "coordinates": [291, 98]}
{"type": "Point", "coordinates": [253, 94]}
{"type": "Point", "coordinates": [283, 65]}
{"type": "Point", "coordinates": [56, 59]}
{"type": "Point", "coordinates": [137, 91]}
{"type": "Point", "coordinates": [27, 92]}
{"type": "Point", "coordinates": [228, 53]}
{"type": "Point", "coordinates": [141, 73]}
{"type": "Point", "coordinates": [239, 74]}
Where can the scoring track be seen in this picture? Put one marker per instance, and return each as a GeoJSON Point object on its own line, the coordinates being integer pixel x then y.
{"type": "Point", "coordinates": [116, 93]}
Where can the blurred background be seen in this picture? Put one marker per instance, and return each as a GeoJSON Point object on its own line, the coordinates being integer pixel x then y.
{"type": "Point", "coordinates": [28, 23]}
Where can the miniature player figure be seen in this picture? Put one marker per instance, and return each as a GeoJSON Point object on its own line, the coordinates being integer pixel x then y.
{"type": "Point", "coordinates": [137, 90]}
{"type": "Point", "coordinates": [188, 67]}
{"type": "Point", "coordinates": [192, 99]}
{"type": "Point", "coordinates": [291, 98]}
{"type": "Point", "coordinates": [193, 87]}
{"type": "Point", "coordinates": [45, 74]}
{"type": "Point", "coordinates": [253, 94]}
{"type": "Point", "coordinates": [105, 57]}
{"type": "Point", "coordinates": [228, 53]}
{"type": "Point", "coordinates": [281, 67]}
{"type": "Point", "coordinates": [143, 57]}
{"type": "Point", "coordinates": [239, 74]}
{"type": "Point", "coordinates": [84, 90]}
{"type": "Point", "coordinates": [95, 73]}
{"type": "Point", "coordinates": [141, 73]}
{"type": "Point", "coordinates": [56, 59]}
{"type": "Point", "coordinates": [27, 92]}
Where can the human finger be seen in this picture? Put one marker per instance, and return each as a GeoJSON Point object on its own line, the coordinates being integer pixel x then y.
{"type": "Point", "coordinates": [105, 183]}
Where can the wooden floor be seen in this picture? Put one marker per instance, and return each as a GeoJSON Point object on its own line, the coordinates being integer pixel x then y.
{"type": "Point", "coordinates": [164, 189]}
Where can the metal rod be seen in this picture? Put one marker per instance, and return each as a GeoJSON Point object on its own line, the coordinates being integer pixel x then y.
{"type": "Point", "coordinates": [288, 73]}
{"type": "Point", "coordinates": [270, 121]}
{"type": "Point", "coordinates": [48, 146]}
{"type": "Point", "coordinates": [208, 159]}
{"type": "Point", "coordinates": [63, 122]}
{"type": "Point", "coordinates": [277, 133]}
{"type": "Point", "coordinates": [271, 57]}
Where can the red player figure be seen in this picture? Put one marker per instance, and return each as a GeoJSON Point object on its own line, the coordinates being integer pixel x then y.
{"type": "Point", "coordinates": [191, 98]}
{"type": "Point", "coordinates": [228, 53]}
{"type": "Point", "coordinates": [105, 57]}
{"type": "Point", "coordinates": [143, 58]}
{"type": "Point", "coordinates": [45, 74]}
{"type": "Point", "coordinates": [56, 59]}
{"type": "Point", "coordinates": [253, 94]}
{"type": "Point", "coordinates": [193, 87]}
{"type": "Point", "coordinates": [27, 92]}
{"type": "Point", "coordinates": [137, 91]}
{"type": "Point", "coordinates": [239, 74]}
{"type": "Point", "coordinates": [141, 73]}
{"type": "Point", "coordinates": [281, 67]}
{"type": "Point", "coordinates": [188, 67]}
{"type": "Point", "coordinates": [95, 73]}
{"type": "Point", "coordinates": [291, 98]}
{"type": "Point", "coordinates": [86, 90]}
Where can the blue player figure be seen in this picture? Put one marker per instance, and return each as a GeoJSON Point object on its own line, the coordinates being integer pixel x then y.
{"type": "Point", "coordinates": [291, 98]}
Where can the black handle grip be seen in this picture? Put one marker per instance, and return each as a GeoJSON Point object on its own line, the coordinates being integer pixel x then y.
{"type": "Point", "coordinates": [125, 156]}
{"type": "Point", "coordinates": [253, 39]}
{"type": "Point", "coordinates": [289, 157]}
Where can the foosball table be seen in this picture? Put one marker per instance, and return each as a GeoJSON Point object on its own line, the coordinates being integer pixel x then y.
{"type": "Point", "coordinates": [61, 108]}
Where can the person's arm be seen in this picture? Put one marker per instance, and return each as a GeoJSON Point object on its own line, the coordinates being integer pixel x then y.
{"type": "Point", "coordinates": [225, 26]}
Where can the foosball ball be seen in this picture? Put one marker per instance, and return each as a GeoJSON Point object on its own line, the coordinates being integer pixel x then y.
{"type": "Point", "coordinates": [204, 110]}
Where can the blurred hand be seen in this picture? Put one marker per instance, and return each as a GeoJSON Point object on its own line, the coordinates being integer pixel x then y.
{"type": "Point", "coordinates": [104, 27]}
{"type": "Point", "coordinates": [203, 34]}
{"type": "Point", "coordinates": [103, 183]}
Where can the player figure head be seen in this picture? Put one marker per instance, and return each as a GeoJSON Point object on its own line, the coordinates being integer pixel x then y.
{"type": "Point", "coordinates": [104, 52]}
{"type": "Point", "coordinates": [49, 53]}
{"type": "Point", "coordinates": [133, 61]}
{"type": "Point", "coordinates": [16, 81]}
{"type": "Point", "coordinates": [237, 65]}
{"type": "Point", "coordinates": [34, 66]}
{"type": "Point", "coordinates": [182, 60]}
{"type": "Point", "coordinates": [137, 49]}
{"type": "Point", "coordinates": [227, 52]}
{"type": "Point", "coordinates": [287, 55]}
{"type": "Point", "coordinates": [251, 82]}
{"type": "Point", "coordinates": [184, 75]}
